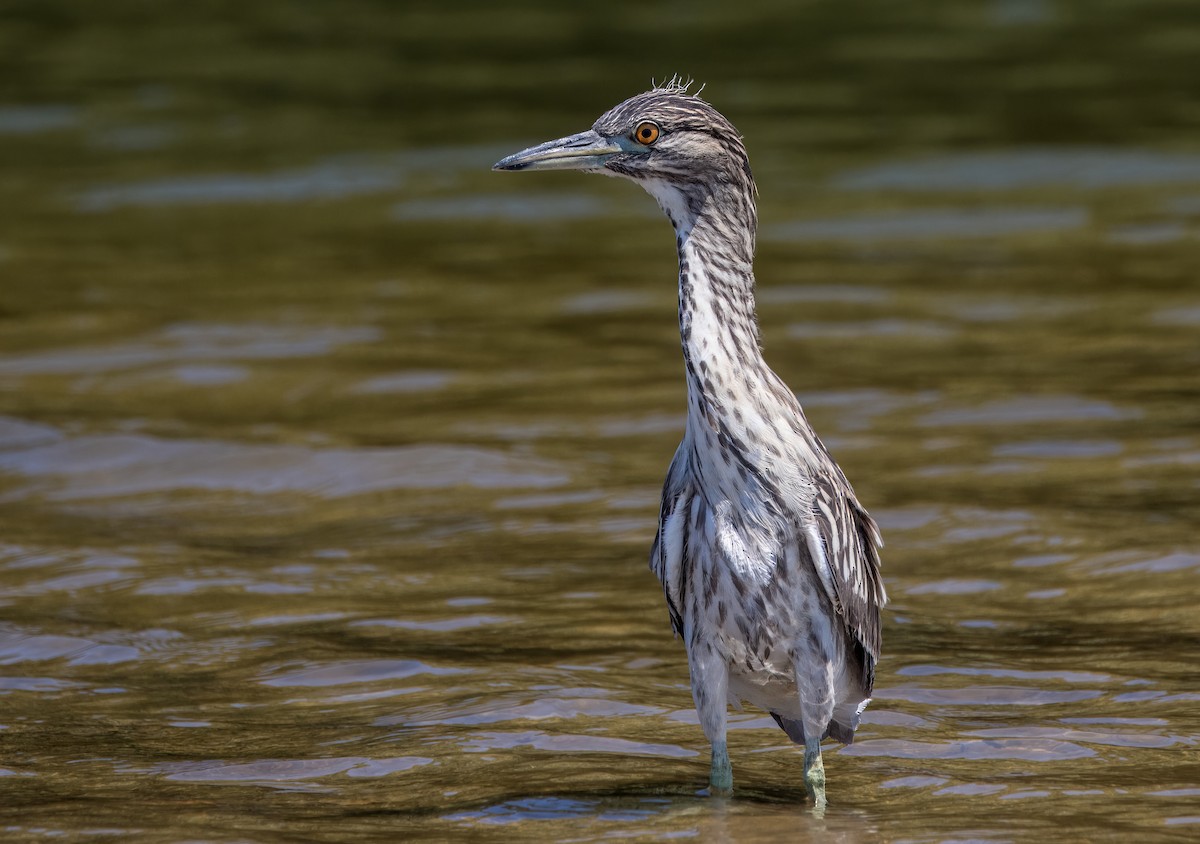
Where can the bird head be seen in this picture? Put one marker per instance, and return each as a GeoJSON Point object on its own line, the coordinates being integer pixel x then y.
{"type": "Point", "coordinates": [673, 143]}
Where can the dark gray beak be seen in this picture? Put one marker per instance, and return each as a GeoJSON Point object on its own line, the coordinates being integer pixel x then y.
{"type": "Point", "coordinates": [585, 151]}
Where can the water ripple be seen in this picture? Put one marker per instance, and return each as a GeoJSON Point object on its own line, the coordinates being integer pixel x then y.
{"type": "Point", "coordinates": [189, 343]}
{"type": "Point", "coordinates": [1179, 561]}
{"type": "Point", "coordinates": [266, 771]}
{"type": "Point", "coordinates": [37, 684]}
{"type": "Point", "coordinates": [923, 329]}
{"type": "Point", "coordinates": [1060, 449]}
{"type": "Point", "coordinates": [414, 381]}
{"type": "Point", "coordinates": [493, 712]}
{"type": "Point", "coordinates": [1081, 167]}
{"type": "Point", "coordinates": [1187, 316]}
{"type": "Point", "coordinates": [1008, 673]}
{"type": "Point", "coordinates": [1028, 750]}
{"type": "Point", "coordinates": [100, 466]}
{"type": "Point", "coordinates": [358, 671]}
{"type": "Point", "coordinates": [985, 695]}
{"type": "Point", "coordinates": [523, 208]}
{"type": "Point", "coordinates": [549, 808]}
{"type": "Point", "coordinates": [1086, 736]}
{"type": "Point", "coordinates": [955, 586]}
{"type": "Point", "coordinates": [37, 119]}
{"type": "Point", "coordinates": [971, 789]}
{"type": "Point", "coordinates": [606, 302]}
{"type": "Point", "coordinates": [789, 294]}
{"type": "Point", "coordinates": [568, 743]}
{"type": "Point", "coordinates": [442, 625]}
{"type": "Point", "coordinates": [1023, 410]}
{"type": "Point", "coordinates": [932, 223]}
{"type": "Point", "coordinates": [913, 782]}
{"type": "Point", "coordinates": [333, 178]}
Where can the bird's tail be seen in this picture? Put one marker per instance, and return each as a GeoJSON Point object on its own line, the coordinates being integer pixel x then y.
{"type": "Point", "coordinates": [795, 730]}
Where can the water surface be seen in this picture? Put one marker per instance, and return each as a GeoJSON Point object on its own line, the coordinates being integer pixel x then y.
{"type": "Point", "coordinates": [329, 459]}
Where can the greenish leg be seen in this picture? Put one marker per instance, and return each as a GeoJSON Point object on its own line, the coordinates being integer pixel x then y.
{"type": "Point", "coordinates": [814, 773]}
{"type": "Point", "coordinates": [720, 780]}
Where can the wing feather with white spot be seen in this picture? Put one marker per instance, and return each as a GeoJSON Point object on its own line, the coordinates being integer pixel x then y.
{"type": "Point", "coordinates": [670, 543]}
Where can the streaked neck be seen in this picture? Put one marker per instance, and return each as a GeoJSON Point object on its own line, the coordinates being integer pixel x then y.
{"type": "Point", "coordinates": [728, 381]}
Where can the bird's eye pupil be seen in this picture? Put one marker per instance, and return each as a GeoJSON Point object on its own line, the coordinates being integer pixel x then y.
{"type": "Point", "coordinates": [647, 133]}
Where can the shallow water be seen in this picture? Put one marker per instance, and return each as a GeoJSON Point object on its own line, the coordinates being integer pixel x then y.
{"type": "Point", "coordinates": [329, 460]}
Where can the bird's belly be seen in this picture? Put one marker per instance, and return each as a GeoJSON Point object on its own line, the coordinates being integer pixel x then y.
{"type": "Point", "coordinates": [760, 663]}
{"type": "Point", "coordinates": [769, 681]}
{"type": "Point", "coordinates": [751, 596]}
{"type": "Point", "coordinates": [772, 692]}
{"type": "Point", "coordinates": [772, 684]}
{"type": "Point", "coordinates": [763, 643]}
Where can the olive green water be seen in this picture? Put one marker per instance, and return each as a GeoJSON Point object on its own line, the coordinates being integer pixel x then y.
{"type": "Point", "coordinates": [329, 459]}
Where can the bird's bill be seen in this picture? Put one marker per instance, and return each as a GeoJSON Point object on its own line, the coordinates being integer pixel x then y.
{"type": "Point", "coordinates": [585, 151]}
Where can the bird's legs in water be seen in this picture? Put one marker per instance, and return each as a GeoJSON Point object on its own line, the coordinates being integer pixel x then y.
{"type": "Point", "coordinates": [720, 775]}
{"type": "Point", "coordinates": [814, 773]}
{"type": "Point", "coordinates": [814, 679]}
{"type": "Point", "coordinates": [814, 767]}
{"type": "Point", "coordinates": [710, 684]}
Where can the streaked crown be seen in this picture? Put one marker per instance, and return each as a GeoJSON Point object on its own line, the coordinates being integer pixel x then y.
{"type": "Point", "coordinates": [676, 136]}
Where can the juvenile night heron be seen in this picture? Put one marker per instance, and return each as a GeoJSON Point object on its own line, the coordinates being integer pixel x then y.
{"type": "Point", "coordinates": [769, 563]}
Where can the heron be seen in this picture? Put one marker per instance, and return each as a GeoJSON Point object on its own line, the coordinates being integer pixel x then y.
{"type": "Point", "coordinates": [769, 563]}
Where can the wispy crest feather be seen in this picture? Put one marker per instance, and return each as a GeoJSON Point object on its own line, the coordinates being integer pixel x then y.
{"type": "Point", "coordinates": [677, 85]}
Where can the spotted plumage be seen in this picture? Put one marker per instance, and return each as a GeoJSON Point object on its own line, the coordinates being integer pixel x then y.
{"type": "Point", "coordinates": [769, 563]}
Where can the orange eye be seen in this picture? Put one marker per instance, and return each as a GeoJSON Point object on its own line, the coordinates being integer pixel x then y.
{"type": "Point", "coordinates": [646, 133]}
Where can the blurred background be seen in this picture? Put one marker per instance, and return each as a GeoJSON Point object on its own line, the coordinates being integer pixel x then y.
{"type": "Point", "coordinates": [330, 460]}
